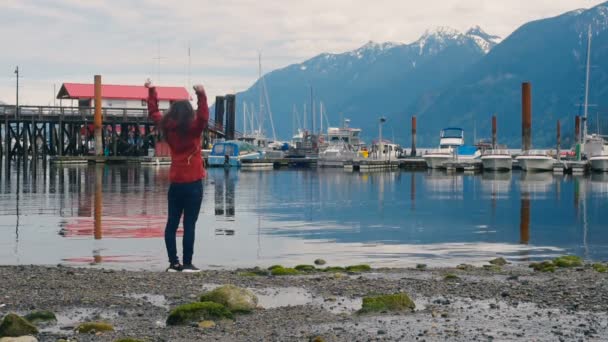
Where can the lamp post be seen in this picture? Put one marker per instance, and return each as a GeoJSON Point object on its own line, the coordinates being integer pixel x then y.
{"type": "Point", "coordinates": [380, 142]}
{"type": "Point", "coordinates": [17, 90]}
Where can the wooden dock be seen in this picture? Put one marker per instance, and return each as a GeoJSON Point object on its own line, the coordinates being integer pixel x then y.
{"type": "Point", "coordinates": [74, 160]}
{"type": "Point", "coordinates": [279, 163]}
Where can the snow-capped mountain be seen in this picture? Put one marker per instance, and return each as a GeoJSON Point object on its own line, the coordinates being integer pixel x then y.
{"type": "Point", "coordinates": [374, 77]}
{"type": "Point", "coordinates": [549, 53]}
{"type": "Point", "coordinates": [452, 78]}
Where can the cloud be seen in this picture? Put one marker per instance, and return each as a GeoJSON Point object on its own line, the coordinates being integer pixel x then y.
{"type": "Point", "coordinates": [57, 41]}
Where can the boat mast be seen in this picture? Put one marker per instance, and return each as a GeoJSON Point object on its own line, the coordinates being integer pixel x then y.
{"type": "Point", "coordinates": [586, 105]}
{"type": "Point", "coordinates": [244, 118]}
{"type": "Point", "coordinates": [321, 117]}
{"type": "Point", "coordinates": [260, 90]}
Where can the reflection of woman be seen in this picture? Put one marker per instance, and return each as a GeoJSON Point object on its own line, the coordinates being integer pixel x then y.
{"type": "Point", "coordinates": [182, 130]}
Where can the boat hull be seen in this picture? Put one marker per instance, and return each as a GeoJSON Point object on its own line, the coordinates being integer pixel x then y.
{"type": "Point", "coordinates": [497, 162]}
{"type": "Point", "coordinates": [233, 161]}
{"type": "Point", "coordinates": [536, 163]}
{"type": "Point", "coordinates": [599, 163]}
{"type": "Point", "coordinates": [436, 161]}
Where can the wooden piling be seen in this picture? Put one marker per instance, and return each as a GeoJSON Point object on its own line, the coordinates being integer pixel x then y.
{"type": "Point", "coordinates": [98, 120]}
{"type": "Point", "coordinates": [526, 112]}
{"type": "Point", "coordinates": [413, 153]}
{"type": "Point", "coordinates": [559, 140]}
{"type": "Point", "coordinates": [494, 132]}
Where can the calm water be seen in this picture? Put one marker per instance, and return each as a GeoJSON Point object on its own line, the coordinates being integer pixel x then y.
{"type": "Point", "coordinates": [51, 215]}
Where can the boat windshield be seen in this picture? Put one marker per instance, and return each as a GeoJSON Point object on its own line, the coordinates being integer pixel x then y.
{"type": "Point", "coordinates": [218, 149]}
{"type": "Point", "coordinates": [451, 133]}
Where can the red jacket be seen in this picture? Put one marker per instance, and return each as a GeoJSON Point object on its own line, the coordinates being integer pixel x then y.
{"type": "Point", "coordinates": [186, 158]}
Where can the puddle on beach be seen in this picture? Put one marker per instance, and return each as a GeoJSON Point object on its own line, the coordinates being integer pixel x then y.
{"type": "Point", "coordinates": [275, 297]}
{"type": "Point", "coordinates": [67, 320]}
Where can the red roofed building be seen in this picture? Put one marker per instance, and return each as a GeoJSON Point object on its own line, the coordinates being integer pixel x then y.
{"type": "Point", "coordinates": [120, 96]}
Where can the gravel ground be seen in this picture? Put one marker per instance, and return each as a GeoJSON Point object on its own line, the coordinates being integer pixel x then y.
{"type": "Point", "coordinates": [511, 304]}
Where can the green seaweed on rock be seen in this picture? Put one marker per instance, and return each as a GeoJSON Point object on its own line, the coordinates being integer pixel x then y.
{"type": "Point", "coordinates": [196, 312]}
{"type": "Point", "coordinates": [88, 327]}
{"type": "Point", "coordinates": [397, 302]}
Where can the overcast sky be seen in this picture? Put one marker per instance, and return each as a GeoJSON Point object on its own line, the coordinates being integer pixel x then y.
{"type": "Point", "coordinates": [56, 41]}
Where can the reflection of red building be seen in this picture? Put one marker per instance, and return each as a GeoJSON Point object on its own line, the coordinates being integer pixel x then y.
{"type": "Point", "coordinates": [118, 227]}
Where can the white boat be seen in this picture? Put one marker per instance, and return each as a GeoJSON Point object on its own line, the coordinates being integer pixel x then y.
{"type": "Point", "coordinates": [536, 161]}
{"type": "Point", "coordinates": [497, 160]}
{"type": "Point", "coordinates": [599, 163]}
{"type": "Point", "coordinates": [231, 153]}
{"type": "Point", "coordinates": [435, 159]}
{"type": "Point", "coordinates": [451, 148]}
{"type": "Point", "coordinates": [336, 154]}
{"type": "Point", "coordinates": [596, 150]}
{"type": "Point", "coordinates": [384, 150]}
{"type": "Point", "coordinates": [343, 145]}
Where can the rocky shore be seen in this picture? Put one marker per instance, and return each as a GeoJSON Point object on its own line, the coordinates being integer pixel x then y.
{"type": "Point", "coordinates": [464, 303]}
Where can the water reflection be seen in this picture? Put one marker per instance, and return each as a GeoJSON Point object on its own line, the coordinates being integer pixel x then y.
{"type": "Point", "coordinates": [115, 215]}
{"type": "Point", "coordinates": [496, 184]}
{"type": "Point", "coordinates": [445, 185]}
{"type": "Point", "coordinates": [536, 184]}
{"type": "Point", "coordinates": [224, 193]}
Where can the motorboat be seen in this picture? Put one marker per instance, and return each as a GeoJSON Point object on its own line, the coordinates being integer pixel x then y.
{"type": "Point", "coordinates": [385, 150]}
{"type": "Point", "coordinates": [536, 161]}
{"type": "Point", "coordinates": [451, 148]}
{"type": "Point", "coordinates": [232, 152]}
{"type": "Point", "coordinates": [599, 162]}
{"type": "Point", "coordinates": [343, 145]}
{"type": "Point", "coordinates": [336, 154]}
{"type": "Point", "coordinates": [497, 160]}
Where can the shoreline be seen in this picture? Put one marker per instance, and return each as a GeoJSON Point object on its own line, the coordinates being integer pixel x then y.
{"type": "Point", "coordinates": [476, 303]}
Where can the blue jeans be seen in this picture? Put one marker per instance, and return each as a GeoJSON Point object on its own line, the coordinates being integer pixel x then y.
{"type": "Point", "coordinates": [183, 198]}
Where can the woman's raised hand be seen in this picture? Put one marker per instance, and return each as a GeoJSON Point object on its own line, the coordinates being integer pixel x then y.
{"type": "Point", "coordinates": [199, 89]}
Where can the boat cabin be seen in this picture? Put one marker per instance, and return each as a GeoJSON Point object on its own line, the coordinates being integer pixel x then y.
{"type": "Point", "coordinates": [451, 137]}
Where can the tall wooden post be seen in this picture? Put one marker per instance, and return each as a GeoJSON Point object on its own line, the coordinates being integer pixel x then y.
{"type": "Point", "coordinates": [494, 132]}
{"type": "Point", "coordinates": [413, 152]}
{"type": "Point", "coordinates": [98, 120]}
{"type": "Point", "coordinates": [559, 140]}
{"type": "Point", "coordinates": [526, 112]}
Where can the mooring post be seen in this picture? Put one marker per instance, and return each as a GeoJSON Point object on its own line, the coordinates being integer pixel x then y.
{"type": "Point", "coordinates": [7, 138]}
{"type": "Point", "coordinates": [59, 132]}
{"type": "Point", "coordinates": [98, 135]}
{"type": "Point", "coordinates": [559, 140]}
{"type": "Point", "coordinates": [24, 136]}
{"type": "Point", "coordinates": [494, 132]}
{"type": "Point", "coordinates": [526, 112]}
{"type": "Point", "coordinates": [34, 140]}
{"type": "Point", "coordinates": [413, 152]}
{"type": "Point", "coordinates": [577, 136]}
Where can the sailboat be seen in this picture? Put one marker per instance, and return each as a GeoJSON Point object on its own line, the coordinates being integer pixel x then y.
{"type": "Point", "coordinates": [594, 146]}
{"type": "Point", "coordinates": [252, 134]}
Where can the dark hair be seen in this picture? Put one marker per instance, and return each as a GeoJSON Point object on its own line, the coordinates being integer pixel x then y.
{"type": "Point", "coordinates": [181, 113]}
